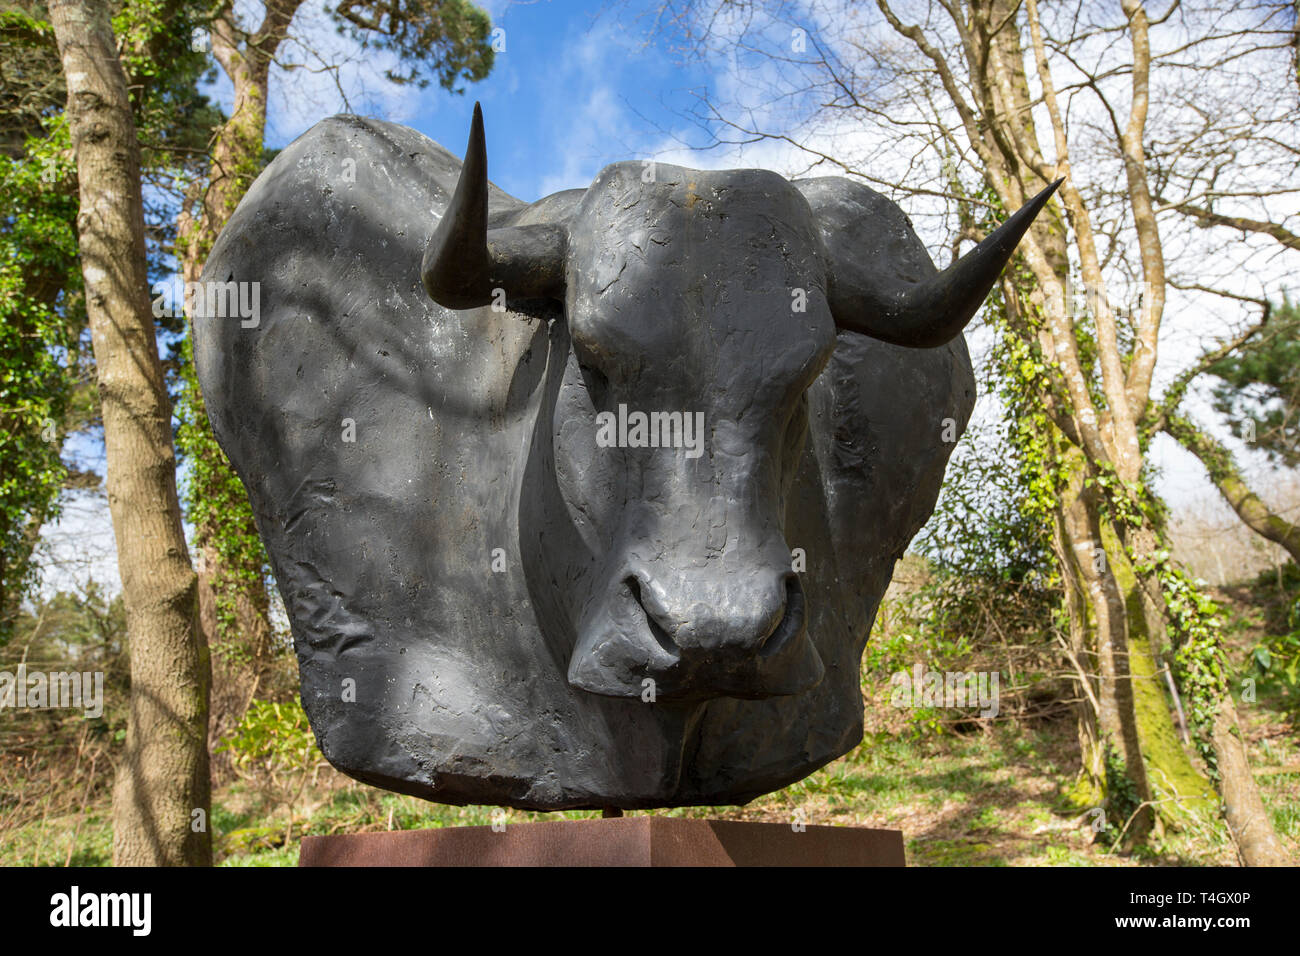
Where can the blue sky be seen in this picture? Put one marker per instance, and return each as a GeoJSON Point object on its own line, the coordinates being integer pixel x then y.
{"type": "Point", "coordinates": [575, 89]}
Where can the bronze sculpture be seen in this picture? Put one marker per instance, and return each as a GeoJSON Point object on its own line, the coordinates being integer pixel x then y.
{"type": "Point", "coordinates": [588, 502]}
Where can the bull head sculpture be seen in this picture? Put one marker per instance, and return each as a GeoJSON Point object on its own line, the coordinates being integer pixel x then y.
{"type": "Point", "coordinates": [490, 602]}
{"type": "Point", "coordinates": [672, 304]}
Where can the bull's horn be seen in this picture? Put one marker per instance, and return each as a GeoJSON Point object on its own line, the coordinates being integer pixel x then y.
{"type": "Point", "coordinates": [934, 310]}
{"type": "Point", "coordinates": [465, 261]}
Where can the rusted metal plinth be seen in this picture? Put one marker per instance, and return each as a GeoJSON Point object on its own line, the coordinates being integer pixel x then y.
{"type": "Point", "coordinates": [617, 841]}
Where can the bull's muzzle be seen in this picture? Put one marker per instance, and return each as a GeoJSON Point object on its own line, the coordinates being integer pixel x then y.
{"type": "Point", "coordinates": [657, 643]}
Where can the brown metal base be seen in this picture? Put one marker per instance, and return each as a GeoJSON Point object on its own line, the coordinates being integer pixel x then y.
{"type": "Point", "coordinates": [625, 841]}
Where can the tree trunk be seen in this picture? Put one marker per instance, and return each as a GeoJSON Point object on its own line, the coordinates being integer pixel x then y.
{"type": "Point", "coordinates": [1129, 626]}
{"type": "Point", "coordinates": [1178, 788]}
{"type": "Point", "coordinates": [237, 147]}
{"type": "Point", "coordinates": [1257, 842]}
{"type": "Point", "coordinates": [1116, 715]}
{"type": "Point", "coordinates": [1228, 479]}
{"type": "Point", "coordinates": [161, 796]}
{"type": "Point", "coordinates": [1089, 790]}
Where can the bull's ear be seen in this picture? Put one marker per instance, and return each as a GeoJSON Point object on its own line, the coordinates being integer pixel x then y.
{"type": "Point", "coordinates": [882, 284]}
{"type": "Point", "coordinates": [465, 262]}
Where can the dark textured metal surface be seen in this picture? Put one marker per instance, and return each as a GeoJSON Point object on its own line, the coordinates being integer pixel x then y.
{"type": "Point", "coordinates": [494, 587]}
{"type": "Point", "coordinates": [631, 841]}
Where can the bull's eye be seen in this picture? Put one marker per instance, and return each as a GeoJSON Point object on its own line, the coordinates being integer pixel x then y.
{"type": "Point", "coordinates": [597, 383]}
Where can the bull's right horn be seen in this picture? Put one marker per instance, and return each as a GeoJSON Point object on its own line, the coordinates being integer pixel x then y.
{"type": "Point", "coordinates": [928, 311]}
{"type": "Point", "coordinates": [465, 261]}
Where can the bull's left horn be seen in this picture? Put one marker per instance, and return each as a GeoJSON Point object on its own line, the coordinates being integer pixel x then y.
{"type": "Point", "coordinates": [933, 311]}
{"type": "Point", "coordinates": [465, 262]}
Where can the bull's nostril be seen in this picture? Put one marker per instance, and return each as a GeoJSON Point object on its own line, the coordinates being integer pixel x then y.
{"type": "Point", "coordinates": [661, 636]}
{"type": "Point", "coordinates": [791, 623]}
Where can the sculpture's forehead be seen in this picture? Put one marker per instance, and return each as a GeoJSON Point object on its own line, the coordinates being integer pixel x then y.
{"type": "Point", "coordinates": [721, 265]}
{"type": "Point", "coordinates": [683, 220]}
{"type": "Point", "coordinates": [662, 182]}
